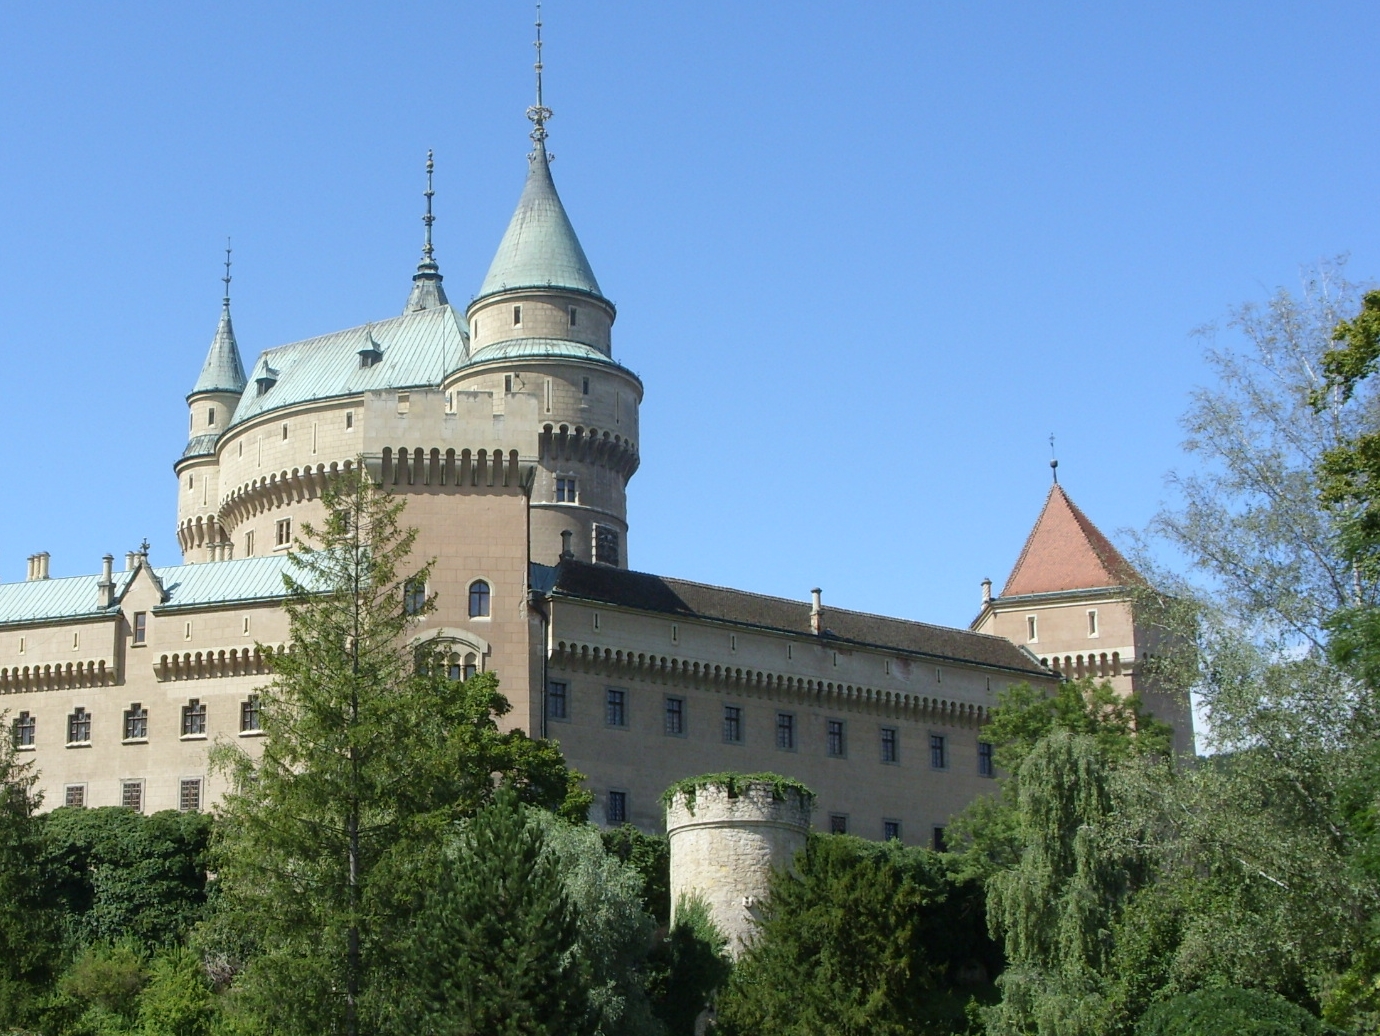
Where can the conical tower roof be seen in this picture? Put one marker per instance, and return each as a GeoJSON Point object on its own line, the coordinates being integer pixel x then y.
{"type": "Point", "coordinates": [539, 248]}
{"type": "Point", "coordinates": [1066, 551]}
{"type": "Point", "coordinates": [223, 370]}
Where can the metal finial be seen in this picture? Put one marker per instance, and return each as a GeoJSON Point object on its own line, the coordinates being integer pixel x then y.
{"type": "Point", "coordinates": [428, 219]}
{"type": "Point", "coordinates": [226, 278]}
{"type": "Point", "coordinates": [1053, 460]}
{"type": "Point", "coordinates": [538, 112]}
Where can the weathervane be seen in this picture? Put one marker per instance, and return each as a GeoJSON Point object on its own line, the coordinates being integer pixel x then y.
{"type": "Point", "coordinates": [539, 112]}
{"type": "Point", "coordinates": [428, 219]}
{"type": "Point", "coordinates": [1053, 460]}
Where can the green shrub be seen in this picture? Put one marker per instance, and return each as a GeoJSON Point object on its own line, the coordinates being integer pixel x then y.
{"type": "Point", "coordinates": [1241, 1012]}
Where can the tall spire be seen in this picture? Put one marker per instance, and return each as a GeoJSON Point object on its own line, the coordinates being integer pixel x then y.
{"type": "Point", "coordinates": [427, 292]}
{"type": "Point", "coordinates": [538, 112]}
{"type": "Point", "coordinates": [223, 370]}
{"type": "Point", "coordinates": [539, 248]}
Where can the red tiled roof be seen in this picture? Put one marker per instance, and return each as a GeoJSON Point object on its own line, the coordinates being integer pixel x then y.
{"type": "Point", "coordinates": [1066, 551]}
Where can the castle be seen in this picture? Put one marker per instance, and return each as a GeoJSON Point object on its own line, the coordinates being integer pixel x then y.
{"type": "Point", "coordinates": [512, 432]}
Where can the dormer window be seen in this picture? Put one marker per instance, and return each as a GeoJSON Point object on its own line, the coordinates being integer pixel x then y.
{"type": "Point", "coordinates": [370, 355]}
{"type": "Point", "coordinates": [517, 316]}
{"type": "Point", "coordinates": [266, 380]}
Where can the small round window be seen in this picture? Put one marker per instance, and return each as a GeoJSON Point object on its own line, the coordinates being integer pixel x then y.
{"type": "Point", "coordinates": [479, 599]}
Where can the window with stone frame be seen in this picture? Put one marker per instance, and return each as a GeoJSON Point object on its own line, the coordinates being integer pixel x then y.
{"type": "Point", "coordinates": [132, 795]}
{"type": "Point", "coordinates": [141, 627]}
{"type": "Point", "coordinates": [785, 731]}
{"type": "Point", "coordinates": [25, 730]}
{"type": "Point", "coordinates": [891, 830]}
{"type": "Point", "coordinates": [282, 532]}
{"type": "Point", "coordinates": [479, 599]}
{"type": "Point", "coordinates": [675, 716]}
{"type": "Point", "coordinates": [189, 794]}
{"type": "Point", "coordinates": [733, 724]}
{"type": "Point", "coordinates": [838, 823]}
{"type": "Point", "coordinates": [834, 743]}
{"type": "Point", "coordinates": [889, 746]}
{"type": "Point", "coordinates": [986, 766]}
{"type": "Point", "coordinates": [616, 811]}
{"type": "Point", "coordinates": [79, 727]}
{"type": "Point", "coordinates": [414, 596]}
{"type": "Point", "coordinates": [565, 489]}
{"type": "Point", "coordinates": [74, 795]}
{"type": "Point", "coordinates": [939, 752]}
{"type": "Point", "coordinates": [249, 714]}
{"type": "Point", "coordinates": [558, 700]}
{"type": "Point", "coordinates": [606, 547]}
{"type": "Point", "coordinates": [194, 718]}
{"type": "Point", "coordinates": [616, 707]}
{"type": "Point", "coordinates": [136, 722]}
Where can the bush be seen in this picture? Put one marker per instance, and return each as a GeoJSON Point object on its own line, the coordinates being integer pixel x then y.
{"type": "Point", "coordinates": [1242, 1012]}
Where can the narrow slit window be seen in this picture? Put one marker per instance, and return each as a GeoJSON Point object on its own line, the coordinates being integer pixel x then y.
{"type": "Point", "coordinates": [517, 316]}
{"type": "Point", "coordinates": [574, 316]}
{"type": "Point", "coordinates": [1092, 622]}
{"type": "Point", "coordinates": [1031, 629]}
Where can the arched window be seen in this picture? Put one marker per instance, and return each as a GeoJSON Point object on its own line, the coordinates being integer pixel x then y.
{"type": "Point", "coordinates": [414, 597]}
{"type": "Point", "coordinates": [479, 599]}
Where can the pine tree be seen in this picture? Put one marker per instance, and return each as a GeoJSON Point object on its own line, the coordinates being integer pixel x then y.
{"type": "Point", "coordinates": [370, 751]}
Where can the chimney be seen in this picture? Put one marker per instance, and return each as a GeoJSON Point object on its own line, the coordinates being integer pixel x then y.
{"type": "Point", "coordinates": [39, 566]}
{"type": "Point", "coordinates": [987, 591]}
{"type": "Point", "coordinates": [105, 589]}
{"type": "Point", "coordinates": [816, 613]}
{"type": "Point", "coordinates": [566, 552]}
{"type": "Point", "coordinates": [130, 558]}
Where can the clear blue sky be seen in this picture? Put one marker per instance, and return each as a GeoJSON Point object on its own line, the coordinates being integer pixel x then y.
{"type": "Point", "coordinates": [866, 257]}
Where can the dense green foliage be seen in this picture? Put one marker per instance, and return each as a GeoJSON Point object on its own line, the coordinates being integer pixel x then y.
{"type": "Point", "coordinates": [732, 781]}
{"type": "Point", "coordinates": [1242, 1012]}
{"type": "Point", "coordinates": [650, 856]}
{"type": "Point", "coordinates": [860, 938]}
{"type": "Point", "coordinates": [687, 968]}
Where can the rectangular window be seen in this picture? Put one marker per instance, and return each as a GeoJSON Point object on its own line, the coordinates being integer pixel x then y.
{"type": "Point", "coordinates": [785, 731]}
{"type": "Point", "coordinates": [891, 830]}
{"type": "Point", "coordinates": [1031, 629]}
{"type": "Point", "coordinates": [584, 387]}
{"type": "Point", "coordinates": [187, 632]}
{"type": "Point", "coordinates": [194, 719]}
{"type": "Point", "coordinates": [733, 724]}
{"type": "Point", "coordinates": [558, 700]}
{"type": "Point", "coordinates": [617, 810]}
{"type": "Point", "coordinates": [141, 627]}
{"type": "Point", "coordinates": [985, 765]}
{"type": "Point", "coordinates": [574, 316]}
{"type": "Point", "coordinates": [404, 402]}
{"type": "Point", "coordinates": [508, 383]}
{"type": "Point", "coordinates": [833, 735]}
{"type": "Point", "coordinates": [249, 544]}
{"type": "Point", "coordinates": [349, 419]}
{"type": "Point", "coordinates": [938, 756]}
{"type": "Point", "coordinates": [132, 795]}
{"type": "Point", "coordinates": [889, 754]}
{"type": "Point", "coordinates": [79, 727]}
{"type": "Point", "coordinates": [616, 708]}
{"type": "Point", "coordinates": [25, 727]}
{"type": "Point", "coordinates": [565, 491]}
{"type": "Point", "coordinates": [74, 795]}
{"type": "Point", "coordinates": [940, 845]}
{"type": "Point", "coordinates": [1092, 622]}
{"type": "Point", "coordinates": [211, 417]}
{"type": "Point", "coordinates": [136, 722]}
{"type": "Point", "coordinates": [838, 823]}
{"type": "Point", "coordinates": [283, 532]}
{"type": "Point", "coordinates": [517, 316]}
{"type": "Point", "coordinates": [285, 433]}
{"type": "Point", "coordinates": [675, 717]}
{"type": "Point", "coordinates": [249, 714]}
{"type": "Point", "coordinates": [605, 545]}
{"type": "Point", "coordinates": [189, 794]}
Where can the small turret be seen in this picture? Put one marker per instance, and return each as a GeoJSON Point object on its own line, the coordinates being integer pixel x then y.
{"type": "Point", "coordinates": [217, 391]}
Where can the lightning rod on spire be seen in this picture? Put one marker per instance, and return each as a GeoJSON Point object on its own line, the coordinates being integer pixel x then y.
{"type": "Point", "coordinates": [538, 112]}
{"type": "Point", "coordinates": [1053, 460]}
{"type": "Point", "coordinates": [428, 219]}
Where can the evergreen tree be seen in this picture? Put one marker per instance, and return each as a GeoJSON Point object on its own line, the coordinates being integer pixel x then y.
{"type": "Point", "coordinates": [372, 751]}
{"type": "Point", "coordinates": [494, 945]}
{"type": "Point", "coordinates": [29, 932]}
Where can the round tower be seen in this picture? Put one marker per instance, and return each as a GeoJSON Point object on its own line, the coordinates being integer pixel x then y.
{"type": "Point", "coordinates": [727, 836]}
{"type": "Point", "coordinates": [211, 405]}
{"type": "Point", "coordinates": [540, 343]}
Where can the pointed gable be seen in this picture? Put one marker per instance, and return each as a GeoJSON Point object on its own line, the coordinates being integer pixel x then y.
{"type": "Point", "coordinates": [1066, 551]}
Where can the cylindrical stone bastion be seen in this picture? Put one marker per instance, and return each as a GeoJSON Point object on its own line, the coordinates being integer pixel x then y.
{"type": "Point", "coordinates": [727, 834]}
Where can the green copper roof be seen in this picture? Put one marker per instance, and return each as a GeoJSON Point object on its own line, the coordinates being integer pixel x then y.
{"type": "Point", "coordinates": [540, 248]}
{"type": "Point", "coordinates": [223, 370]}
{"type": "Point", "coordinates": [539, 349]}
{"type": "Point", "coordinates": [186, 586]}
{"type": "Point", "coordinates": [414, 350]}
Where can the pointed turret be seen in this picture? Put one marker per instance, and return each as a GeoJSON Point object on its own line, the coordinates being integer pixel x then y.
{"type": "Point", "coordinates": [427, 292]}
{"type": "Point", "coordinates": [1066, 551]}
{"type": "Point", "coordinates": [540, 249]}
{"type": "Point", "coordinates": [223, 370]}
